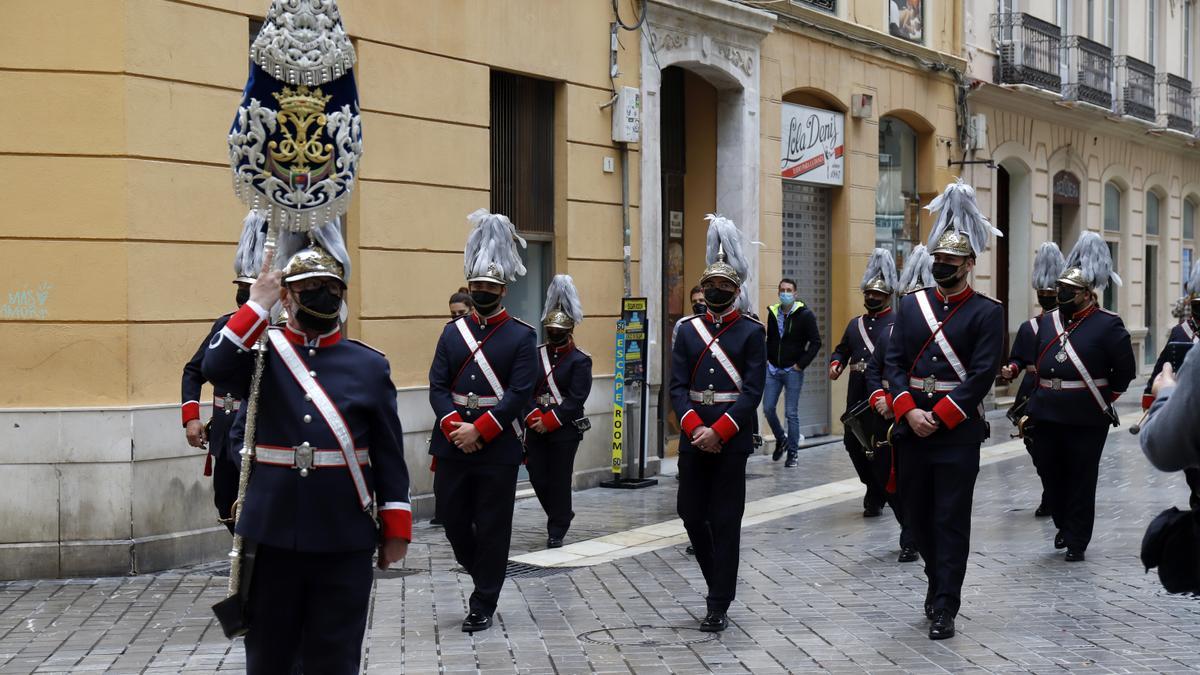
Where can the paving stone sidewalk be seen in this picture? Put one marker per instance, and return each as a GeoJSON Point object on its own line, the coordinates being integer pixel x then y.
{"type": "Point", "coordinates": [819, 591]}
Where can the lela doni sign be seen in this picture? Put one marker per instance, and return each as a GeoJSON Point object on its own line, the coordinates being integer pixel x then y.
{"type": "Point", "coordinates": [814, 143]}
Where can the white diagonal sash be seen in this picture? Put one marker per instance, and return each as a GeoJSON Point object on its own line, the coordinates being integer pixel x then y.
{"type": "Point", "coordinates": [718, 353]}
{"type": "Point", "coordinates": [325, 406]}
{"type": "Point", "coordinates": [862, 330]}
{"type": "Point", "coordinates": [1078, 362]}
{"type": "Point", "coordinates": [1190, 332]}
{"type": "Point", "coordinates": [545, 352]}
{"type": "Point", "coordinates": [481, 360]}
{"type": "Point", "coordinates": [1033, 324]}
{"type": "Point", "coordinates": [939, 336]}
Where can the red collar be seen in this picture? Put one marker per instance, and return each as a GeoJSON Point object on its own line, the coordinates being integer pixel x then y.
{"type": "Point", "coordinates": [495, 319]}
{"type": "Point", "coordinates": [729, 316]}
{"type": "Point", "coordinates": [882, 312]}
{"type": "Point", "coordinates": [961, 295]}
{"type": "Point", "coordinates": [563, 349]}
{"type": "Point", "coordinates": [300, 340]}
{"type": "Point", "coordinates": [1083, 313]}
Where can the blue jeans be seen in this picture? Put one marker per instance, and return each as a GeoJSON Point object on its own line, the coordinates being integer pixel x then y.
{"type": "Point", "coordinates": [790, 382]}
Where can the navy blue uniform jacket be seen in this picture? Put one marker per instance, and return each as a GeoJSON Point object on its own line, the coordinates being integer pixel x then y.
{"type": "Point", "coordinates": [1102, 343]}
{"type": "Point", "coordinates": [1024, 353]}
{"type": "Point", "coordinates": [509, 346]}
{"type": "Point", "coordinates": [571, 369]}
{"type": "Point", "coordinates": [320, 513]}
{"type": "Point", "coordinates": [694, 368]}
{"type": "Point", "coordinates": [976, 335]}
{"type": "Point", "coordinates": [193, 382]}
{"type": "Point", "coordinates": [1186, 331]}
{"type": "Point", "coordinates": [853, 350]}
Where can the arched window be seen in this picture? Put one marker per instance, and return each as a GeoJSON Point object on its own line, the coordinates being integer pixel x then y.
{"type": "Point", "coordinates": [1152, 216]}
{"type": "Point", "coordinates": [896, 199]}
{"type": "Point", "coordinates": [1150, 274]}
{"type": "Point", "coordinates": [1113, 215]}
{"type": "Point", "coordinates": [1189, 236]}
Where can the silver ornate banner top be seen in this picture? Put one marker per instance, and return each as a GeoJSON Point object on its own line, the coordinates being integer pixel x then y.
{"type": "Point", "coordinates": [303, 42]}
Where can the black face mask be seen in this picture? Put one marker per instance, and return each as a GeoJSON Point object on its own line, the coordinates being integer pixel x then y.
{"type": "Point", "coordinates": [243, 296]}
{"type": "Point", "coordinates": [945, 274]}
{"type": "Point", "coordinates": [873, 304]}
{"type": "Point", "coordinates": [1047, 302]}
{"type": "Point", "coordinates": [557, 338]}
{"type": "Point", "coordinates": [319, 309]}
{"type": "Point", "coordinates": [1067, 304]}
{"type": "Point", "coordinates": [718, 299]}
{"type": "Point", "coordinates": [699, 308]}
{"type": "Point", "coordinates": [485, 301]}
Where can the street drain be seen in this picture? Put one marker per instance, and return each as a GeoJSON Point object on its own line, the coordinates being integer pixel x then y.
{"type": "Point", "coordinates": [647, 636]}
{"type": "Point", "coordinates": [517, 570]}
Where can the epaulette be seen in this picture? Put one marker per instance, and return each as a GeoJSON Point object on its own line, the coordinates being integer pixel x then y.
{"type": "Point", "coordinates": [985, 296]}
{"type": "Point", "coordinates": [363, 344]}
{"type": "Point", "coordinates": [750, 318]}
{"type": "Point", "coordinates": [1107, 311]}
{"type": "Point", "coordinates": [583, 352]}
{"type": "Point", "coordinates": [524, 324]}
{"type": "Point", "coordinates": [923, 288]}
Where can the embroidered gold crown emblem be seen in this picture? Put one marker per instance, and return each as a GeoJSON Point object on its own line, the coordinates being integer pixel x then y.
{"type": "Point", "coordinates": [300, 109]}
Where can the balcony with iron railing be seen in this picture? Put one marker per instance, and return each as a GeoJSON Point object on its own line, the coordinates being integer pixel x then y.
{"type": "Point", "coordinates": [1088, 72]}
{"type": "Point", "coordinates": [1135, 88]}
{"type": "Point", "coordinates": [1029, 51]}
{"type": "Point", "coordinates": [1174, 103]}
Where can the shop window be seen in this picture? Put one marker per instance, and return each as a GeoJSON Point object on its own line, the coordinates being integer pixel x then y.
{"type": "Point", "coordinates": [896, 200]}
{"type": "Point", "coordinates": [1112, 208]}
{"type": "Point", "coordinates": [522, 174]}
{"type": "Point", "coordinates": [1152, 209]}
{"type": "Point", "coordinates": [906, 19]}
{"type": "Point", "coordinates": [1151, 300]}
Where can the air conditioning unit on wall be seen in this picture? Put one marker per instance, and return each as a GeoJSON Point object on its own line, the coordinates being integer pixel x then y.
{"type": "Point", "coordinates": [977, 132]}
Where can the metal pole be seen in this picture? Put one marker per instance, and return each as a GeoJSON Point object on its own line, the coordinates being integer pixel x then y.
{"type": "Point", "coordinates": [627, 234]}
{"type": "Point", "coordinates": [645, 412]}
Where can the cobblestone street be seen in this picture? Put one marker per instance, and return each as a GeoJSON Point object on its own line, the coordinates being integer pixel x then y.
{"type": "Point", "coordinates": [819, 590]}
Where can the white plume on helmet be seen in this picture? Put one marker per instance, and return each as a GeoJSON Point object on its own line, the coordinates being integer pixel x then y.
{"type": "Point", "coordinates": [248, 260]}
{"type": "Point", "coordinates": [725, 237]}
{"type": "Point", "coordinates": [918, 270]}
{"type": "Point", "coordinates": [882, 264]}
{"type": "Point", "coordinates": [491, 250]}
{"type": "Point", "coordinates": [958, 211]}
{"type": "Point", "coordinates": [562, 294]}
{"type": "Point", "coordinates": [1048, 266]}
{"type": "Point", "coordinates": [1093, 259]}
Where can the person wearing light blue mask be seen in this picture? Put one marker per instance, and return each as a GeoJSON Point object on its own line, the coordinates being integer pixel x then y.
{"type": "Point", "coordinates": [793, 341]}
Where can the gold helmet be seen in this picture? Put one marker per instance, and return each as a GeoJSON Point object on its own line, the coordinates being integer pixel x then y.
{"type": "Point", "coordinates": [1090, 264]}
{"type": "Point", "coordinates": [311, 262]}
{"type": "Point", "coordinates": [724, 252]}
{"type": "Point", "coordinates": [880, 273]}
{"type": "Point", "coordinates": [953, 243]}
{"type": "Point", "coordinates": [556, 318]}
{"type": "Point", "coordinates": [878, 284]}
{"type": "Point", "coordinates": [1073, 276]}
{"type": "Point", "coordinates": [563, 307]}
{"type": "Point", "coordinates": [722, 270]}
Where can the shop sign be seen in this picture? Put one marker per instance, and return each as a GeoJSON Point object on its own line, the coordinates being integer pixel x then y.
{"type": "Point", "coordinates": [1066, 189]}
{"type": "Point", "coordinates": [813, 145]}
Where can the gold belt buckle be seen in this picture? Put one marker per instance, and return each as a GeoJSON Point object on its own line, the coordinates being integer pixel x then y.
{"type": "Point", "coordinates": [544, 399]}
{"type": "Point", "coordinates": [708, 397]}
{"type": "Point", "coordinates": [304, 458]}
{"type": "Point", "coordinates": [228, 401]}
{"type": "Point", "coordinates": [929, 385]}
{"type": "Point", "coordinates": [473, 401]}
{"type": "Point", "coordinates": [1056, 384]}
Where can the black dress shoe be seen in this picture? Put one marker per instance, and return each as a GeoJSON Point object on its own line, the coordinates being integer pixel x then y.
{"type": "Point", "coordinates": [554, 542]}
{"type": "Point", "coordinates": [715, 622]}
{"type": "Point", "coordinates": [476, 621]}
{"type": "Point", "coordinates": [1059, 541]}
{"type": "Point", "coordinates": [435, 522]}
{"type": "Point", "coordinates": [929, 611]}
{"type": "Point", "coordinates": [872, 511]}
{"type": "Point", "coordinates": [1074, 555]}
{"type": "Point", "coordinates": [1043, 511]}
{"type": "Point", "coordinates": [942, 626]}
{"type": "Point", "coordinates": [907, 554]}
{"type": "Point", "coordinates": [690, 550]}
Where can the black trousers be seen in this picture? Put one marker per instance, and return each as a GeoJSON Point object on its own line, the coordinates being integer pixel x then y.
{"type": "Point", "coordinates": [882, 465]}
{"type": "Point", "coordinates": [711, 500]}
{"type": "Point", "coordinates": [551, 464]}
{"type": "Point", "coordinates": [308, 609]}
{"type": "Point", "coordinates": [1039, 465]}
{"type": "Point", "coordinates": [474, 501]}
{"type": "Point", "coordinates": [1192, 475]}
{"type": "Point", "coordinates": [1071, 455]}
{"type": "Point", "coordinates": [938, 486]}
{"type": "Point", "coordinates": [225, 486]}
{"type": "Point", "coordinates": [865, 468]}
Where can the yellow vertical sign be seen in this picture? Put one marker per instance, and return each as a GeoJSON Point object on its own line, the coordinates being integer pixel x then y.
{"type": "Point", "coordinates": [618, 430]}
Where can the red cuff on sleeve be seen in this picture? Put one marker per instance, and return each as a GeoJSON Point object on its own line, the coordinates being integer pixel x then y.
{"type": "Point", "coordinates": [876, 396]}
{"type": "Point", "coordinates": [725, 427]}
{"type": "Point", "coordinates": [191, 411]}
{"type": "Point", "coordinates": [396, 522]}
{"type": "Point", "coordinates": [902, 404]}
{"type": "Point", "coordinates": [949, 412]}
{"type": "Point", "coordinates": [532, 417]}
{"type": "Point", "coordinates": [488, 427]}
{"type": "Point", "coordinates": [835, 363]}
{"type": "Point", "coordinates": [1114, 395]}
{"type": "Point", "coordinates": [446, 425]}
{"type": "Point", "coordinates": [1147, 401]}
{"type": "Point", "coordinates": [550, 421]}
{"type": "Point", "coordinates": [690, 422]}
{"type": "Point", "coordinates": [247, 324]}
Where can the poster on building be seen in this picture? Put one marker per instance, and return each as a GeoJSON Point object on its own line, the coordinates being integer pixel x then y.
{"type": "Point", "coordinates": [637, 326]}
{"type": "Point", "coordinates": [814, 142]}
{"type": "Point", "coordinates": [906, 19]}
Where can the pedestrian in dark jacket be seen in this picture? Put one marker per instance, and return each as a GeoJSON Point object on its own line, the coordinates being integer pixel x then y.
{"type": "Point", "coordinates": [793, 341]}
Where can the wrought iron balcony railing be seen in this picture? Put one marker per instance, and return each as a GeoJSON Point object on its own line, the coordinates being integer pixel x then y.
{"type": "Point", "coordinates": [1175, 102]}
{"type": "Point", "coordinates": [1089, 71]}
{"type": "Point", "coordinates": [1135, 88]}
{"type": "Point", "coordinates": [1029, 49]}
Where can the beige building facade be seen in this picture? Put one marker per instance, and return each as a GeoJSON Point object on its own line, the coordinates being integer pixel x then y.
{"type": "Point", "coordinates": [1087, 109]}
